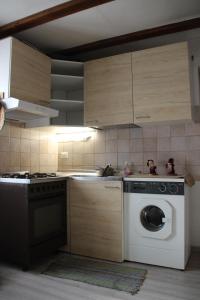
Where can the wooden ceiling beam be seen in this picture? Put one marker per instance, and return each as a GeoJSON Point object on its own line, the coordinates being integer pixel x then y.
{"type": "Point", "coordinates": [47, 15]}
{"type": "Point", "coordinates": [131, 37]}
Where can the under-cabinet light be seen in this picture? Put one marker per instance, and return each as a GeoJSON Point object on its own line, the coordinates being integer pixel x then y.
{"type": "Point", "coordinates": [74, 134]}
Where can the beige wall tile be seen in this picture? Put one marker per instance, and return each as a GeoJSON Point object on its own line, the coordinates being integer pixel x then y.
{"type": "Point", "coordinates": [15, 144]}
{"type": "Point", "coordinates": [25, 159]}
{"type": "Point", "coordinates": [77, 160]}
{"type": "Point", "coordinates": [123, 133]}
{"type": "Point", "coordinates": [192, 129]}
{"type": "Point", "coordinates": [164, 144]}
{"type": "Point", "coordinates": [163, 157]}
{"type": "Point", "coordinates": [88, 146]}
{"type": "Point", "coordinates": [149, 132]}
{"type": "Point", "coordinates": [15, 131]}
{"type": "Point", "coordinates": [178, 130]}
{"type": "Point", "coordinates": [44, 159]}
{"type": "Point", "coordinates": [150, 144]}
{"type": "Point", "coordinates": [43, 147]}
{"type": "Point", "coordinates": [14, 160]}
{"type": "Point", "coordinates": [35, 162]}
{"type": "Point", "coordinates": [4, 161]}
{"type": "Point", "coordinates": [99, 143]}
{"type": "Point", "coordinates": [52, 147]}
{"type": "Point", "coordinates": [88, 159]}
{"type": "Point", "coordinates": [25, 145]}
{"type": "Point", "coordinates": [136, 145]}
{"type": "Point", "coordinates": [20, 149]}
{"type": "Point", "coordinates": [163, 131]}
{"type": "Point", "coordinates": [35, 134]}
{"type": "Point", "coordinates": [136, 133]}
{"type": "Point", "coordinates": [193, 157]}
{"type": "Point", "coordinates": [111, 146]}
{"type": "Point", "coordinates": [99, 160]}
{"type": "Point", "coordinates": [123, 146]}
{"type": "Point", "coordinates": [4, 143]}
{"type": "Point", "coordinates": [60, 147]}
{"type": "Point", "coordinates": [35, 146]}
{"type": "Point", "coordinates": [67, 147]}
{"type": "Point", "coordinates": [136, 158]}
{"type": "Point", "coordinates": [178, 143]}
{"type": "Point", "coordinates": [77, 147]}
{"type": "Point", "coordinates": [193, 142]}
{"type": "Point", "coordinates": [111, 134]}
{"type": "Point", "coordinates": [25, 133]}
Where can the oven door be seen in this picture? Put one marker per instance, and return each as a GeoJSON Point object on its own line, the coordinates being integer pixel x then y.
{"type": "Point", "coordinates": [47, 219]}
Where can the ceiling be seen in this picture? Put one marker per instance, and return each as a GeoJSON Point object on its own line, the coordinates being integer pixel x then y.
{"type": "Point", "coordinates": [105, 21]}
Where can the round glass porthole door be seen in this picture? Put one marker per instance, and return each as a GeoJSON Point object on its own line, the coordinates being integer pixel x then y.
{"type": "Point", "coordinates": [152, 218]}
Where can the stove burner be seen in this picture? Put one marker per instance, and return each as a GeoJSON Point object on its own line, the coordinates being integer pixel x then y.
{"type": "Point", "coordinates": [28, 175]}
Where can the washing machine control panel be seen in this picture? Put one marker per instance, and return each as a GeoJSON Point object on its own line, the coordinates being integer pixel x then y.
{"type": "Point", "coordinates": [154, 187]}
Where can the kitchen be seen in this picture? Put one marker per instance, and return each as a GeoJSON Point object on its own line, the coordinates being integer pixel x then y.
{"type": "Point", "coordinates": [132, 114]}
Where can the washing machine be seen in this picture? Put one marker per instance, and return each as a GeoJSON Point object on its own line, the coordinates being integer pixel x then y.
{"type": "Point", "coordinates": [156, 221]}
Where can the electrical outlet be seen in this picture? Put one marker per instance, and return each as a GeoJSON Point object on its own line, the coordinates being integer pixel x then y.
{"type": "Point", "coordinates": [64, 155]}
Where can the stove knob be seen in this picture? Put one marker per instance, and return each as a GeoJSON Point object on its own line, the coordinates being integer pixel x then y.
{"type": "Point", "coordinates": [173, 188]}
{"type": "Point", "coordinates": [162, 188]}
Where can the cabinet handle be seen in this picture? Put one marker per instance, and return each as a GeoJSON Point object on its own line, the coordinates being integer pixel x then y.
{"type": "Point", "coordinates": [143, 117]}
{"type": "Point", "coordinates": [111, 187]}
{"type": "Point", "coordinates": [93, 121]}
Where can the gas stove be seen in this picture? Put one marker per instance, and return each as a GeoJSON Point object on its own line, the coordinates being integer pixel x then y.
{"type": "Point", "coordinates": [29, 178]}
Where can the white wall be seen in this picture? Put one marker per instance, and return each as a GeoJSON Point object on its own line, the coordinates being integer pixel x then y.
{"type": "Point", "coordinates": [195, 214]}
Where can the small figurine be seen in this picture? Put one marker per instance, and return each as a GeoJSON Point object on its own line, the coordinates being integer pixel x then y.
{"type": "Point", "coordinates": [170, 167]}
{"type": "Point", "coordinates": [152, 167]}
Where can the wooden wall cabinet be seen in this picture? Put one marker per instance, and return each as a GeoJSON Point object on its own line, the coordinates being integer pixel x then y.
{"type": "Point", "coordinates": [25, 72]}
{"type": "Point", "coordinates": [108, 91]}
{"type": "Point", "coordinates": [96, 219]}
{"type": "Point", "coordinates": [161, 84]}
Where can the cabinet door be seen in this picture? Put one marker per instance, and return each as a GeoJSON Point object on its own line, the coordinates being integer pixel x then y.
{"type": "Point", "coordinates": [96, 219]}
{"type": "Point", "coordinates": [108, 91]}
{"type": "Point", "coordinates": [161, 87]}
{"type": "Point", "coordinates": [30, 74]}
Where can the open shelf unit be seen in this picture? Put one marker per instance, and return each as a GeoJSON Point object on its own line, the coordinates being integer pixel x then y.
{"type": "Point", "coordinates": [67, 92]}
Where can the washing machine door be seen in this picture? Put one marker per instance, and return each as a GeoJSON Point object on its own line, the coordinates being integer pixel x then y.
{"type": "Point", "coordinates": [153, 217]}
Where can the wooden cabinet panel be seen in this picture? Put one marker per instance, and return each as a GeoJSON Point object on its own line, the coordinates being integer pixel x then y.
{"type": "Point", "coordinates": [161, 85]}
{"type": "Point", "coordinates": [96, 219]}
{"type": "Point", "coordinates": [30, 74]}
{"type": "Point", "coordinates": [108, 91]}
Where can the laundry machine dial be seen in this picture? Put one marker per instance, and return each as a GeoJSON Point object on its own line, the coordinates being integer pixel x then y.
{"type": "Point", "coordinates": [173, 188]}
{"type": "Point", "coordinates": [162, 188]}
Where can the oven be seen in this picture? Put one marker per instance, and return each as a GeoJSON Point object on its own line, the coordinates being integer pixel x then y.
{"type": "Point", "coordinates": [32, 220]}
{"type": "Point", "coordinates": [47, 211]}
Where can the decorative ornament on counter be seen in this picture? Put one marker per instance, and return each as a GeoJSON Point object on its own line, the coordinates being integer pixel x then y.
{"type": "Point", "coordinates": [152, 167]}
{"type": "Point", "coordinates": [127, 169]}
{"type": "Point", "coordinates": [108, 171]}
{"type": "Point", "coordinates": [170, 167]}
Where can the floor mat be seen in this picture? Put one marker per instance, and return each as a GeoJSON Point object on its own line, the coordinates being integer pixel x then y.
{"type": "Point", "coordinates": [100, 273]}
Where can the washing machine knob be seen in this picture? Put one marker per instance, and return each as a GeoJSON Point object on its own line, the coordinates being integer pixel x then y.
{"type": "Point", "coordinates": [173, 188]}
{"type": "Point", "coordinates": [162, 188]}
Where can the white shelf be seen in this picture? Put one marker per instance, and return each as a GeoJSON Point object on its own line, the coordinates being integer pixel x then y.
{"type": "Point", "coordinates": [67, 104]}
{"type": "Point", "coordinates": [64, 67]}
{"type": "Point", "coordinates": [66, 82]}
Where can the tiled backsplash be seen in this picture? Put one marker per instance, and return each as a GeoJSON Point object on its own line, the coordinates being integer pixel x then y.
{"type": "Point", "coordinates": [137, 145]}
{"type": "Point", "coordinates": [36, 150]}
{"type": "Point", "coordinates": [27, 149]}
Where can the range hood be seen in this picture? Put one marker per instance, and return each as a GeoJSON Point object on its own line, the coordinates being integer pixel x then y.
{"type": "Point", "coordinates": [22, 111]}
